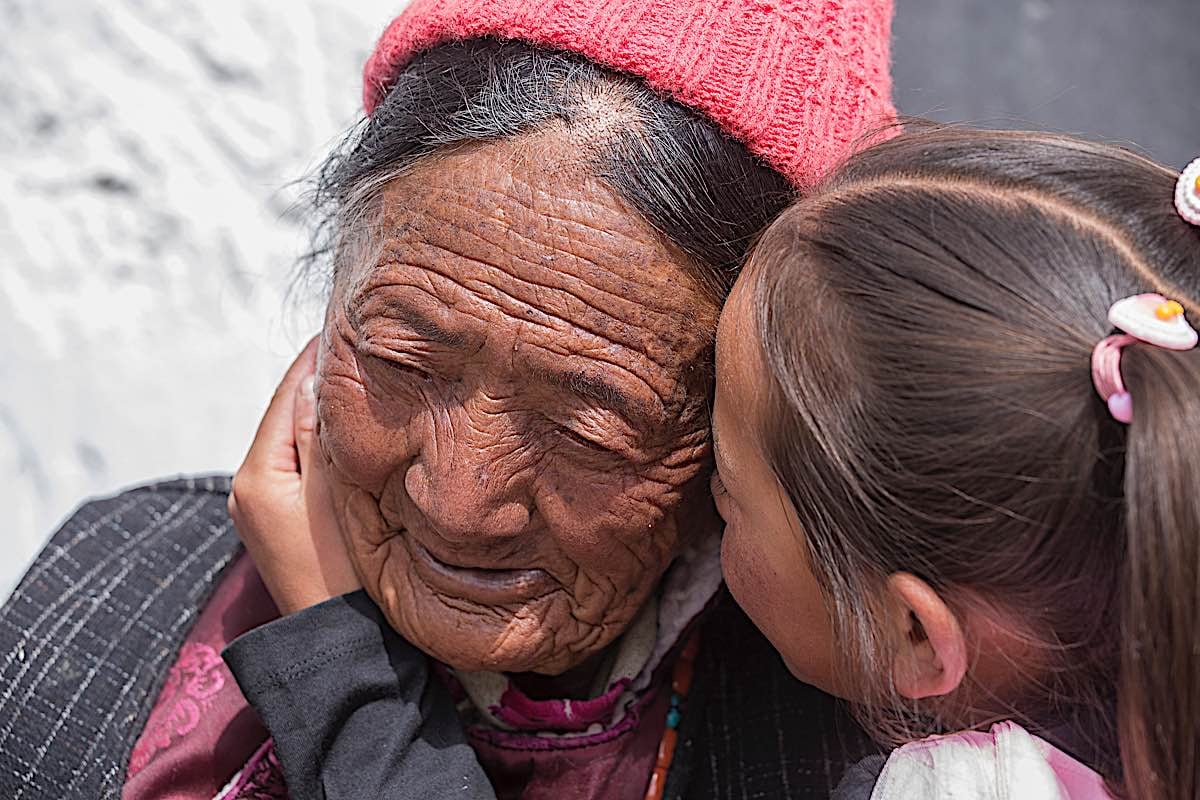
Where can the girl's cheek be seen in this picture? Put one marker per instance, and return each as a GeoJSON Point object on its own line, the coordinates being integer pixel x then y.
{"type": "Point", "coordinates": [738, 563]}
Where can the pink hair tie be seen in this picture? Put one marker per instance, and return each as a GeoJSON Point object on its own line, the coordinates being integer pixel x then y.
{"type": "Point", "coordinates": [1148, 318]}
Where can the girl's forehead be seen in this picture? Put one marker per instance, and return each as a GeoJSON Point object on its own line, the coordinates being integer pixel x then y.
{"type": "Point", "coordinates": [738, 353]}
{"type": "Point", "coordinates": [741, 379]}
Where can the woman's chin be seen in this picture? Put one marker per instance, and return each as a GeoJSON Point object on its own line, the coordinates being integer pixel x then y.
{"type": "Point", "coordinates": [472, 637]}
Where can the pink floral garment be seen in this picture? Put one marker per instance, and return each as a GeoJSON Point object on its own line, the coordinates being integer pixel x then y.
{"type": "Point", "coordinates": [201, 731]}
{"type": "Point", "coordinates": [191, 685]}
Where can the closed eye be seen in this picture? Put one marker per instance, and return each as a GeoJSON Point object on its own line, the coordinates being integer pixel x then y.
{"type": "Point", "coordinates": [581, 440]}
{"type": "Point", "coordinates": [398, 362]}
{"type": "Point", "coordinates": [405, 369]}
{"type": "Point", "coordinates": [409, 369]}
{"type": "Point", "coordinates": [717, 486]}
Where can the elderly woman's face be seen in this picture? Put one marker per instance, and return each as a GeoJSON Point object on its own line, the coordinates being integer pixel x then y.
{"type": "Point", "coordinates": [513, 399]}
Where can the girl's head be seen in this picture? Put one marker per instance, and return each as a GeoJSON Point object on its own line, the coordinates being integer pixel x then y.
{"type": "Point", "coordinates": [930, 510]}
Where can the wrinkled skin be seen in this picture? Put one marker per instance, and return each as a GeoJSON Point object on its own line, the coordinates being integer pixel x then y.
{"type": "Point", "coordinates": [512, 396]}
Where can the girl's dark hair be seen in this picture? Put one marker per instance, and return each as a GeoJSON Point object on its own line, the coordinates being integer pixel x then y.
{"type": "Point", "coordinates": [928, 317]}
{"type": "Point", "coordinates": [701, 189]}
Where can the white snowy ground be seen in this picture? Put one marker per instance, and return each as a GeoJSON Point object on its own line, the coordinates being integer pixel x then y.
{"type": "Point", "coordinates": [147, 234]}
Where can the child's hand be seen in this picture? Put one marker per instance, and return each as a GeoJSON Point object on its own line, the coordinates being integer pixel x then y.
{"type": "Point", "coordinates": [281, 505]}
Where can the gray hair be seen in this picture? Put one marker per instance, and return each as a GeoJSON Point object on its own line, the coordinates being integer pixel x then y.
{"type": "Point", "coordinates": [700, 188]}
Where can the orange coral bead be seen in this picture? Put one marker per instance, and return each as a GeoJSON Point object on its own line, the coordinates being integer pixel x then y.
{"type": "Point", "coordinates": [666, 748]}
{"type": "Point", "coordinates": [1168, 311]}
{"type": "Point", "coordinates": [681, 680]}
{"type": "Point", "coordinates": [658, 784]}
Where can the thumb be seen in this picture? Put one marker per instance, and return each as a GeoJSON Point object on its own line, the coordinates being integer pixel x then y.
{"type": "Point", "coordinates": [273, 449]}
{"type": "Point", "coordinates": [304, 423]}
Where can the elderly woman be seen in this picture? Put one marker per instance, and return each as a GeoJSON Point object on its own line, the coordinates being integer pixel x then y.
{"type": "Point", "coordinates": [531, 237]}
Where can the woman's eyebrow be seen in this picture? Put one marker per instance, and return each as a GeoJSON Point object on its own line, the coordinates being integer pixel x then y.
{"type": "Point", "coordinates": [596, 388]}
{"type": "Point", "coordinates": [434, 332]}
{"type": "Point", "coordinates": [425, 327]}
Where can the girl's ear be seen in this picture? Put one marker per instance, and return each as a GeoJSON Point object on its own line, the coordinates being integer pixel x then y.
{"type": "Point", "coordinates": [931, 656]}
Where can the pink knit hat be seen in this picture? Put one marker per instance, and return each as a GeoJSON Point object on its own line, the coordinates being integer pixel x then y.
{"type": "Point", "coordinates": [797, 81]}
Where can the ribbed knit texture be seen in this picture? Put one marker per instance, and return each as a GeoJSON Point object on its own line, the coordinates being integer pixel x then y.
{"type": "Point", "coordinates": [798, 81]}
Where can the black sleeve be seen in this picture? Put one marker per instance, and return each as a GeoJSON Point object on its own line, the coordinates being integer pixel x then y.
{"type": "Point", "coordinates": [352, 709]}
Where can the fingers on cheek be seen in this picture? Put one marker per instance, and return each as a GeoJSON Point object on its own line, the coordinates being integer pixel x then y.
{"type": "Point", "coordinates": [244, 495]}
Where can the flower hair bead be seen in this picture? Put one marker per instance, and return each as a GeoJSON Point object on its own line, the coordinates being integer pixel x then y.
{"type": "Point", "coordinates": [1148, 318]}
{"type": "Point", "coordinates": [1187, 193]}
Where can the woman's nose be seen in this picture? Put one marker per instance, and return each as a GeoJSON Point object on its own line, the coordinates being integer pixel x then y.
{"type": "Point", "coordinates": [470, 492]}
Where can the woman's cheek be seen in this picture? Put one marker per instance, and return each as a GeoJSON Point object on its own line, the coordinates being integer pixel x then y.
{"type": "Point", "coordinates": [361, 450]}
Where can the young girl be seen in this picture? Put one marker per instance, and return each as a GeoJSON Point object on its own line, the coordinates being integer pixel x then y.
{"type": "Point", "coordinates": [956, 437]}
{"type": "Point", "coordinates": [960, 471]}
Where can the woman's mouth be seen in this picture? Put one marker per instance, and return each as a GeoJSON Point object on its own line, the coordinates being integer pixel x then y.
{"type": "Point", "coordinates": [478, 584]}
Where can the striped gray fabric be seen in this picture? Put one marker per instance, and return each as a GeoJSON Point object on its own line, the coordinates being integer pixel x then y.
{"type": "Point", "coordinates": [87, 638]}
{"type": "Point", "coordinates": [751, 731]}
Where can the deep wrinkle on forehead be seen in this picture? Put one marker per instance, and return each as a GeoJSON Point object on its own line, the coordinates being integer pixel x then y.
{"type": "Point", "coordinates": [639, 407]}
{"type": "Point", "coordinates": [584, 276]}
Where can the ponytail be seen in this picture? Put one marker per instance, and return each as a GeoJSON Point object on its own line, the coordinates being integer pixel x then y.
{"type": "Point", "coordinates": [1158, 693]}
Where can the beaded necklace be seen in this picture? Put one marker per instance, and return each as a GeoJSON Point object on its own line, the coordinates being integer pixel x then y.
{"type": "Point", "coordinates": [681, 683]}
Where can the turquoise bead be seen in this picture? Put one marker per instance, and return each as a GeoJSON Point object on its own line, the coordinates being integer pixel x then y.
{"type": "Point", "coordinates": [673, 718]}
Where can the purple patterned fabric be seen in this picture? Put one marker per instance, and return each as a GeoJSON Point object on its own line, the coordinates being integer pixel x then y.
{"type": "Point", "coordinates": [201, 730]}
{"type": "Point", "coordinates": [612, 764]}
{"type": "Point", "coordinates": [522, 713]}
